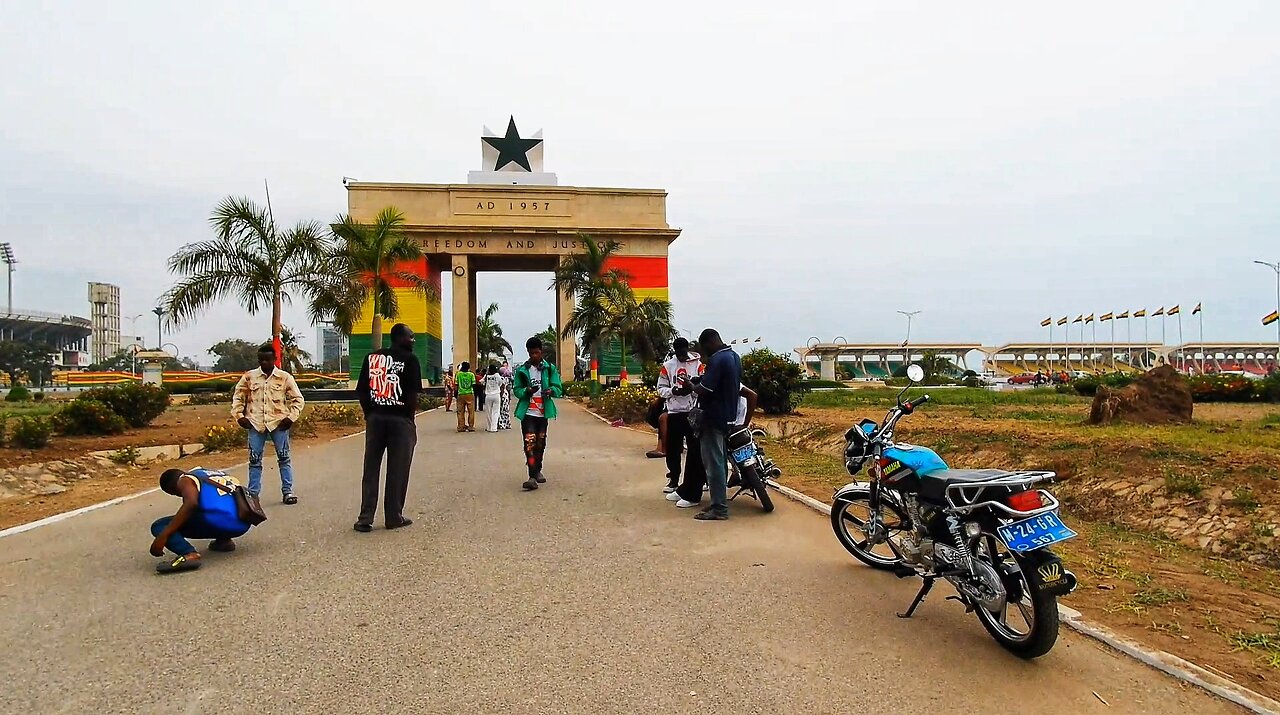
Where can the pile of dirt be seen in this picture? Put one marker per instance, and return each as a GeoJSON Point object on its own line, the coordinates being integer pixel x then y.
{"type": "Point", "coordinates": [1158, 397]}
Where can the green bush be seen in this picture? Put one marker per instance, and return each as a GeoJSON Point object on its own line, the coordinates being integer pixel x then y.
{"type": "Point", "coordinates": [776, 379]}
{"type": "Point", "coordinates": [629, 403]}
{"type": "Point", "coordinates": [1088, 386]}
{"type": "Point", "coordinates": [188, 388]}
{"type": "Point", "coordinates": [137, 403]}
{"type": "Point", "coordinates": [4, 429]}
{"type": "Point", "coordinates": [818, 384]}
{"type": "Point", "coordinates": [18, 394]}
{"type": "Point", "coordinates": [223, 437]}
{"type": "Point", "coordinates": [209, 398]}
{"type": "Point", "coordinates": [579, 388]}
{"type": "Point", "coordinates": [38, 397]}
{"type": "Point", "coordinates": [84, 416]}
{"type": "Point", "coordinates": [345, 415]}
{"type": "Point", "coordinates": [649, 376]}
{"type": "Point", "coordinates": [425, 403]}
{"type": "Point", "coordinates": [32, 432]}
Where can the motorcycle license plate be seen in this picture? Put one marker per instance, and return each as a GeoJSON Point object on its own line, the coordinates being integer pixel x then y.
{"type": "Point", "coordinates": [1035, 533]}
{"type": "Point", "coordinates": [745, 452]}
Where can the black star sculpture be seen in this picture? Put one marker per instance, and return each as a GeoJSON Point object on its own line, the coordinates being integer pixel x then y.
{"type": "Point", "coordinates": [512, 148]}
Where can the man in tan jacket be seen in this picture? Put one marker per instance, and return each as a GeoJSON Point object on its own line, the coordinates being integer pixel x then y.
{"type": "Point", "coordinates": [266, 403]}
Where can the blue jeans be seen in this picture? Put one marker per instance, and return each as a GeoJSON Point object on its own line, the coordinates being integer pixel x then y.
{"type": "Point", "coordinates": [194, 528]}
{"type": "Point", "coordinates": [714, 444]}
{"type": "Point", "coordinates": [258, 443]}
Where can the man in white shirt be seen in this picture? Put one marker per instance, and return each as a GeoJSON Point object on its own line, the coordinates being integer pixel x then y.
{"type": "Point", "coordinates": [266, 403]}
{"type": "Point", "coordinates": [677, 372]}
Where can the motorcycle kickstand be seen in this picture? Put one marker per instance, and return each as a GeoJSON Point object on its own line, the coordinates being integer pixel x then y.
{"type": "Point", "coordinates": [924, 591]}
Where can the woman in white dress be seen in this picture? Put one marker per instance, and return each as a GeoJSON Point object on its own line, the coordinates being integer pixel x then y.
{"type": "Point", "coordinates": [492, 393]}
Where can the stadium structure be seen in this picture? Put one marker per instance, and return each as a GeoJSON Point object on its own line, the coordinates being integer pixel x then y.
{"type": "Point", "coordinates": [68, 335]}
{"type": "Point", "coordinates": [873, 361]}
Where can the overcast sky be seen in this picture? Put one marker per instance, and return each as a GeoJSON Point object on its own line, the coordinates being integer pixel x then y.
{"type": "Point", "coordinates": [829, 163]}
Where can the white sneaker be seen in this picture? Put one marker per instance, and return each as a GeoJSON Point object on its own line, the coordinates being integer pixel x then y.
{"type": "Point", "coordinates": [672, 496]}
{"type": "Point", "coordinates": [668, 489]}
{"type": "Point", "coordinates": [686, 504]}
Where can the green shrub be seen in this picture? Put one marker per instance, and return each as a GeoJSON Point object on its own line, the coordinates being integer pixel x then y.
{"type": "Point", "coordinates": [1066, 389]}
{"type": "Point", "coordinates": [223, 437]}
{"type": "Point", "coordinates": [819, 384]}
{"type": "Point", "coordinates": [1228, 388]}
{"type": "Point", "coordinates": [345, 415]}
{"type": "Point", "coordinates": [38, 397]}
{"type": "Point", "coordinates": [18, 394]}
{"type": "Point", "coordinates": [4, 429]}
{"type": "Point", "coordinates": [629, 403]}
{"type": "Point", "coordinates": [139, 404]}
{"type": "Point", "coordinates": [32, 432]}
{"type": "Point", "coordinates": [126, 455]}
{"type": "Point", "coordinates": [84, 416]}
{"type": "Point", "coordinates": [776, 379]}
{"type": "Point", "coordinates": [579, 388]}
{"type": "Point", "coordinates": [649, 375]}
{"type": "Point", "coordinates": [425, 403]}
{"type": "Point", "coordinates": [1088, 386]}
{"type": "Point", "coordinates": [209, 398]}
{"type": "Point", "coordinates": [188, 388]}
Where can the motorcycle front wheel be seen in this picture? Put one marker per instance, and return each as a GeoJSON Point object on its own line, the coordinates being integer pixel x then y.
{"type": "Point", "coordinates": [1026, 624]}
{"type": "Point", "coordinates": [874, 546]}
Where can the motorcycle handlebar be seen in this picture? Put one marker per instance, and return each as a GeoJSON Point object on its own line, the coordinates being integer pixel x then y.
{"type": "Point", "coordinates": [912, 405]}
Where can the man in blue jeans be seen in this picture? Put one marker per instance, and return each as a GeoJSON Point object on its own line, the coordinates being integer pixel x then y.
{"type": "Point", "coordinates": [208, 511]}
{"type": "Point", "coordinates": [718, 397]}
{"type": "Point", "coordinates": [266, 403]}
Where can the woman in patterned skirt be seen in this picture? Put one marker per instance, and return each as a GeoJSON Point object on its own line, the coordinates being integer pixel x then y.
{"type": "Point", "coordinates": [504, 418]}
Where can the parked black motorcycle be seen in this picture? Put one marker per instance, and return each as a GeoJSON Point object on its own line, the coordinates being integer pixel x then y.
{"type": "Point", "coordinates": [985, 531]}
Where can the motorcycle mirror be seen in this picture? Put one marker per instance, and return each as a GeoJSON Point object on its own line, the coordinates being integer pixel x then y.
{"type": "Point", "coordinates": [915, 373]}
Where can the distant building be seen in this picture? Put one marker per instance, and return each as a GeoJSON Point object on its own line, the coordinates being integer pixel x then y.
{"type": "Point", "coordinates": [104, 304]}
{"type": "Point", "coordinates": [331, 345]}
{"type": "Point", "coordinates": [66, 335]}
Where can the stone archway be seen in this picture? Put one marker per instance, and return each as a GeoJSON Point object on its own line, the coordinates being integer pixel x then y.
{"type": "Point", "coordinates": [468, 228]}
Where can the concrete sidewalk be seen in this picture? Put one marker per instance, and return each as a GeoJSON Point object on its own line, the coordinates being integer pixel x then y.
{"type": "Point", "coordinates": [590, 595]}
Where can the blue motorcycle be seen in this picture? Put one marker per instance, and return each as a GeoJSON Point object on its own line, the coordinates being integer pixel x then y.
{"type": "Point", "coordinates": [985, 531]}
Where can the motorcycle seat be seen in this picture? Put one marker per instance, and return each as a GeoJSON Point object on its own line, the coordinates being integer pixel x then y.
{"type": "Point", "coordinates": [933, 486]}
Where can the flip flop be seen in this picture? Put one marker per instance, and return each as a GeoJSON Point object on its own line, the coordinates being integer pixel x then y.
{"type": "Point", "coordinates": [180, 563]}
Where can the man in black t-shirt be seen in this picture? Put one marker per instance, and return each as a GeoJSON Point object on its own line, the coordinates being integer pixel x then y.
{"type": "Point", "coordinates": [390, 381]}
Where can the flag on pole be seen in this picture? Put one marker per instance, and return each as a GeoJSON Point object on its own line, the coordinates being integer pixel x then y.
{"type": "Point", "coordinates": [1269, 319]}
{"type": "Point", "coordinates": [1158, 312]}
{"type": "Point", "coordinates": [1063, 321]}
{"type": "Point", "coordinates": [1174, 310]}
{"type": "Point", "coordinates": [1105, 317]}
{"type": "Point", "coordinates": [1089, 319]}
{"type": "Point", "coordinates": [1140, 313]}
{"type": "Point", "coordinates": [1197, 309]}
{"type": "Point", "coordinates": [1079, 318]}
{"type": "Point", "coordinates": [1123, 315]}
{"type": "Point", "coordinates": [1046, 322]}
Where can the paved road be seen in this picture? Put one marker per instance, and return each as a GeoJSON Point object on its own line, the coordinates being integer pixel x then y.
{"type": "Point", "coordinates": [591, 595]}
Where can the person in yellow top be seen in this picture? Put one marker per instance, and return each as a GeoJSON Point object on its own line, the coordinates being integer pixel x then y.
{"type": "Point", "coordinates": [266, 403]}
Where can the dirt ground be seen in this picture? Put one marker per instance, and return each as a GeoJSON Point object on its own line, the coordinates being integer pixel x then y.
{"type": "Point", "coordinates": [183, 424]}
{"type": "Point", "coordinates": [1219, 611]}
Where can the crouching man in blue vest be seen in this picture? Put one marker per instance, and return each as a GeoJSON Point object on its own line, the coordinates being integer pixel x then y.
{"type": "Point", "coordinates": [208, 511]}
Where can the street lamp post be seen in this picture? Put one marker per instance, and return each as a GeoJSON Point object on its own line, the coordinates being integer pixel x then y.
{"type": "Point", "coordinates": [6, 255]}
{"type": "Point", "coordinates": [907, 343]}
{"type": "Point", "coordinates": [1275, 267]}
{"type": "Point", "coordinates": [159, 324]}
{"type": "Point", "coordinates": [133, 349]}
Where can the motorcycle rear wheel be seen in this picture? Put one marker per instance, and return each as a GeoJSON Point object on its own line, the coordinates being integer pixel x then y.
{"type": "Point", "coordinates": [858, 542]}
{"type": "Point", "coordinates": [1033, 631]}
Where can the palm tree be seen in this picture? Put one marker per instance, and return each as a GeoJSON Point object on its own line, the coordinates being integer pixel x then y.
{"type": "Point", "coordinates": [367, 259]}
{"type": "Point", "coordinates": [250, 258]}
{"type": "Point", "coordinates": [610, 311]}
{"type": "Point", "coordinates": [292, 356]}
{"type": "Point", "coordinates": [583, 276]}
{"type": "Point", "coordinates": [550, 340]}
{"type": "Point", "coordinates": [489, 340]}
{"type": "Point", "coordinates": [577, 272]}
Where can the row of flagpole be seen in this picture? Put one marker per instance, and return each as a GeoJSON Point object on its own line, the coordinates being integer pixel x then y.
{"type": "Point", "coordinates": [1113, 318]}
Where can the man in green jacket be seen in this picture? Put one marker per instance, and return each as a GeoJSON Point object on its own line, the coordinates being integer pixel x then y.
{"type": "Point", "coordinates": [536, 384]}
